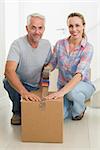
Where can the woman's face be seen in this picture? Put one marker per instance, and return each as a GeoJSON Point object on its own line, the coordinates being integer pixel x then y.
{"type": "Point", "coordinates": [76, 27]}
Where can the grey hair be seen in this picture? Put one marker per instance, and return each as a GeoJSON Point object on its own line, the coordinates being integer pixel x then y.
{"type": "Point", "coordinates": [34, 15]}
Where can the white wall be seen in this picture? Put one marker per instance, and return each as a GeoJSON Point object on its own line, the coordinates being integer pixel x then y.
{"type": "Point", "coordinates": [11, 22]}
{"type": "Point", "coordinates": [56, 13]}
{"type": "Point", "coordinates": [2, 38]}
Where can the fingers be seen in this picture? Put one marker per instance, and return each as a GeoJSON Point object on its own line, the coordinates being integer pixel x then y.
{"type": "Point", "coordinates": [51, 96]}
{"type": "Point", "coordinates": [35, 98]}
{"type": "Point", "coordinates": [31, 97]}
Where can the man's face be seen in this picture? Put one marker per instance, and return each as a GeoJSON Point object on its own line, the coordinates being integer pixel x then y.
{"type": "Point", "coordinates": [35, 29]}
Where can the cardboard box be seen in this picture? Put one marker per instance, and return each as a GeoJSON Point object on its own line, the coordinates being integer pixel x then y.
{"type": "Point", "coordinates": [42, 121]}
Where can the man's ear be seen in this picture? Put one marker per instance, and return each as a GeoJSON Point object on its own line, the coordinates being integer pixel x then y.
{"type": "Point", "coordinates": [27, 28]}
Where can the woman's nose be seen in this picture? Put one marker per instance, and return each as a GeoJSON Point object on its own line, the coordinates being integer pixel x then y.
{"type": "Point", "coordinates": [74, 28]}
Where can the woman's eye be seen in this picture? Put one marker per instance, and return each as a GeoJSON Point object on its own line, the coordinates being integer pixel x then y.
{"type": "Point", "coordinates": [70, 26]}
{"type": "Point", "coordinates": [77, 25]}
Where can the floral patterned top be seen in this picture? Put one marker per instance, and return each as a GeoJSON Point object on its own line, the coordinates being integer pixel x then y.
{"type": "Point", "coordinates": [70, 63]}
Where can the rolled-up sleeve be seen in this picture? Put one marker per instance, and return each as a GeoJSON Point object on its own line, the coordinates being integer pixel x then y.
{"type": "Point", "coordinates": [54, 57]}
{"type": "Point", "coordinates": [85, 60]}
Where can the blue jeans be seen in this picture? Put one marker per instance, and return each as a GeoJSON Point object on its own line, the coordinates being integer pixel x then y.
{"type": "Point", "coordinates": [15, 96]}
{"type": "Point", "coordinates": [74, 101]}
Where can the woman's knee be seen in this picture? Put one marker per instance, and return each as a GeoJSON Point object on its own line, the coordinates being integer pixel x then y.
{"type": "Point", "coordinates": [71, 95]}
{"type": "Point", "coordinates": [76, 96]}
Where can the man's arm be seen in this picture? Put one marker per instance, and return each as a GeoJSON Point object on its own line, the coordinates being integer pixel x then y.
{"type": "Point", "coordinates": [10, 73]}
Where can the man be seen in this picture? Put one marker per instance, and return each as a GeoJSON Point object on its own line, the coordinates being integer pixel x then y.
{"type": "Point", "coordinates": [25, 61]}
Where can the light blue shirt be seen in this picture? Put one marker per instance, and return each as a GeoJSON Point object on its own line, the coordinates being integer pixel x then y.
{"type": "Point", "coordinates": [30, 61]}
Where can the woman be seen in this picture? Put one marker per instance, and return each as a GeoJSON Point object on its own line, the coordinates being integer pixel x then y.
{"type": "Point", "coordinates": [72, 56]}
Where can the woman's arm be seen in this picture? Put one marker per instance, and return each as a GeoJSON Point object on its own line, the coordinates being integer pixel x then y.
{"type": "Point", "coordinates": [67, 88]}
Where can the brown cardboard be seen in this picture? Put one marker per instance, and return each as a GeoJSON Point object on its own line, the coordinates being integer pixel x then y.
{"type": "Point", "coordinates": [42, 121]}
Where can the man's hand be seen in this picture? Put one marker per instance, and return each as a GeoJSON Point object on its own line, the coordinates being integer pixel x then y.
{"type": "Point", "coordinates": [30, 96]}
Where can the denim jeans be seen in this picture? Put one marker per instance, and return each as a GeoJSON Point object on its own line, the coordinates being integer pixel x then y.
{"type": "Point", "coordinates": [15, 96]}
{"type": "Point", "coordinates": [74, 101]}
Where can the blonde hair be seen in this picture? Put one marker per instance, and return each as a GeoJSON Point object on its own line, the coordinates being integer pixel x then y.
{"type": "Point", "coordinates": [75, 14]}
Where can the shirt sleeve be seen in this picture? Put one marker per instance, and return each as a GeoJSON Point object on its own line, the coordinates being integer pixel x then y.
{"type": "Point", "coordinates": [48, 57]}
{"type": "Point", "coordinates": [54, 58]}
{"type": "Point", "coordinates": [85, 60]}
{"type": "Point", "coordinates": [14, 54]}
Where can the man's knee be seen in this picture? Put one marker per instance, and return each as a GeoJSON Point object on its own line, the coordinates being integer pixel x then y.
{"type": "Point", "coordinates": [5, 83]}
{"type": "Point", "coordinates": [7, 86]}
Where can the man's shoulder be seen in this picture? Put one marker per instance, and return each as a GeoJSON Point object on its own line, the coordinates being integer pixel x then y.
{"type": "Point", "coordinates": [20, 39]}
{"type": "Point", "coordinates": [60, 41]}
{"type": "Point", "coordinates": [19, 42]}
{"type": "Point", "coordinates": [45, 41]}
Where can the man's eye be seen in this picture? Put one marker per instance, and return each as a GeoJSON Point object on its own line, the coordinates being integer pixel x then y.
{"type": "Point", "coordinates": [40, 28]}
{"type": "Point", "coordinates": [33, 28]}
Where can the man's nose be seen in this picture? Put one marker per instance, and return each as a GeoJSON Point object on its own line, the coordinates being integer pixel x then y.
{"type": "Point", "coordinates": [36, 30]}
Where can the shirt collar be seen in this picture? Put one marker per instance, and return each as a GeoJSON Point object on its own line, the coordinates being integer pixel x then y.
{"type": "Point", "coordinates": [83, 42]}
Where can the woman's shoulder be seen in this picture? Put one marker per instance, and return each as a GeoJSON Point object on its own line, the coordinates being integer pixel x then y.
{"type": "Point", "coordinates": [61, 41]}
{"type": "Point", "coordinates": [86, 45]}
{"type": "Point", "coordinates": [89, 46]}
{"type": "Point", "coordinates": [85, 42]}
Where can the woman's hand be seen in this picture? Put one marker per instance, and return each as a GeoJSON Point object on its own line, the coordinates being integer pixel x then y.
{"type": "Point", "coordinates": [55, 95]}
